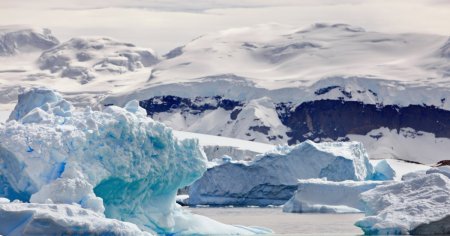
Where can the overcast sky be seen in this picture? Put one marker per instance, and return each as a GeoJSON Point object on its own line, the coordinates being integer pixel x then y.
{"type": "Point", "coordinates": [165, 24]}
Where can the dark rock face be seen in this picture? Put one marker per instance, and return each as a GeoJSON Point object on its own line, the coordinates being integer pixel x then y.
{"type": "Point", "coordinates": [443, 163]}
{"type": "Point", "coordinates": [321, 119]}
{"type": "Point", "coordinates": [193, 106]}
{"type": "Point", "coordinates": [334, 119]}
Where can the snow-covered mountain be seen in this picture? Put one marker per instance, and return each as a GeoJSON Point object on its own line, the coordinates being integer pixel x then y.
{"type": "Point", "coordinates": [82, 58]}
{"type": "Point", "coordinates": [278, 84]}
{"type": "Point", "coordinates": [17, 39]}
{"type": "Point", "coordinates": [272, 83]}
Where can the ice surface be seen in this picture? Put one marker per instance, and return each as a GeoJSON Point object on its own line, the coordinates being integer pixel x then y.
{"type": "Point", "coordinates": [117, 161]}
{"type": "Point", "coordinates": [416, 206]}
{"type": "Point", "coordinates": [322, 196]}
{"type": "Point", "coordinates": [272, 178]}
{"type": "Point", "coordinates": [58, 219]}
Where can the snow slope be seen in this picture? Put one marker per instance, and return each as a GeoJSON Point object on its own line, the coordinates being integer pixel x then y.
{"type": "Point", "coordinates": [408, 144]}
{"type": "Point", "coordinates": [116, 161]}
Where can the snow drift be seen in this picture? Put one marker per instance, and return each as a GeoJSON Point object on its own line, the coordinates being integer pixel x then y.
{"type": "Point", "coordinates": [416, 206]}
{"type": "Point", "coordinates": [319, 195]}
{"type": "Point", "coordinates": [272, 178]}
{"type": "Point", "coordinates": [116, 161]}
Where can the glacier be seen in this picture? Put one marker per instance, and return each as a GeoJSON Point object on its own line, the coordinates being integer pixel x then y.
{"type": "Point", "coordinates": [322, 196]}
{"type": "Point", "coordinates": [415, 206]}
{"type": "Point", "coordinates": [115, 162]}
{"type": "Point", "coordinates": [272, 178]}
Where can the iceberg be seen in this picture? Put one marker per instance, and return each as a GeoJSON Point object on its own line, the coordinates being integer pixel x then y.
{"type": "Point", "coordinates": [322, 196]}
{"type": "Point", "coordinates": [116, 162]}
{"type": "Point", "coordinates": [273, 177]}
{"type": "Point", "coordinates": [58, 219]}
{"type": "Point", "coordinates": [416, 206]}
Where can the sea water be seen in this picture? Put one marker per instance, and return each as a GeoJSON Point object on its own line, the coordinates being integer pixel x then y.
{"type": "Point", "coordinates": [285, 223]}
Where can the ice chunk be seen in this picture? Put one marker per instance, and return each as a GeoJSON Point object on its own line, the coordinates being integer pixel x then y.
{"type": "Point", "coordinates": [59, 219]}
{"type": "Point", "coordinates": [69, 190]}
{"type": "Point", "coordinates": [319, 195]}
{"type": "Point", "coordinates": [416, 206]}
{"type": "Point", "coordinates": [34, 98]}
{"type": "Point", "coordinates": [272, 179]}
{"type": "Point", "coordinates": [119, 155]}
{"type": "Point", "coordinates": [384, 171]}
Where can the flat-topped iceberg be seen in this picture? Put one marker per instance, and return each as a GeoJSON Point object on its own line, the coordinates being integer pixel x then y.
{"type": "Point", "coordinates": [115, 162]}
{"type": "Point", "coordinates": [272, 178]}
{"type": "Point", "coordinates": [416, 206]}
{"type": "Point", "coordinates": [322, 196]}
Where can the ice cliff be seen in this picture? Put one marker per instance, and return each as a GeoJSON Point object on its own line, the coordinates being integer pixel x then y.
{"type": "Point", "coordinates": [115, 162]}
{"type": "Point", "coordinates": [272, 178]}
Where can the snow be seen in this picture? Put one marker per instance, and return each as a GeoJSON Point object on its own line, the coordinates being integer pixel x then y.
{"type": "Point", "coordinates": [322, 196]}
{"type": "Point", "coordinates": [117, 161]}
{"type": "Point", "coordinates": [404, 144]}
{"type": "Point", "coordinates": [57, 219]}
{"type": "Point", "coordinates": [272, 178]}
{"type": "Point", "coordinates": [416, 206]}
